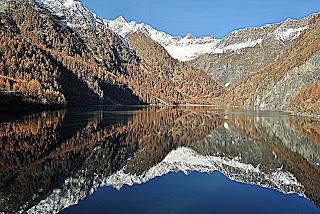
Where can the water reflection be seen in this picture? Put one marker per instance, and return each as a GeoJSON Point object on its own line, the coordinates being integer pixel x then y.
{"type": "Point", "coordinates": [52, 160]}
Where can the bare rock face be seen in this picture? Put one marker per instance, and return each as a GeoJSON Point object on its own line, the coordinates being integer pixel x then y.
{"type": "Point", "coordinates": [290, 85]}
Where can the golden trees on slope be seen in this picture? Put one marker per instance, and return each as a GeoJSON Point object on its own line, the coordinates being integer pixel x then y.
{"type": "Point", "coordinates": [34, 87]}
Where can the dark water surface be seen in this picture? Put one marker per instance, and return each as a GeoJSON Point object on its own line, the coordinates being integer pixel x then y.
{"type": "Point", "coordinates": [159, 160]}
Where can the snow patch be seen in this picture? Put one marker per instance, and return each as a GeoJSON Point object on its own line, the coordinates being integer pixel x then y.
{"type": "Point", "coordinates": [289, 34]}
{"type": "Point", "coordinates": [189, 52]}
{"type": "Point", "coordinates": [225, 125]}
{"type": "Point", "coordinates": [238, 46]}
{"type": "Point", "coordinates": [75, 13]}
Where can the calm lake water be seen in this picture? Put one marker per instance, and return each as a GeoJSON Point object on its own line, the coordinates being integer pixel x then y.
{"type": "Point", "coordinates": [159, 160]}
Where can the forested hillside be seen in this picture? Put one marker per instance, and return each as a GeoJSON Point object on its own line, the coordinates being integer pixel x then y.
{"type": "Point", "coordinates": [45, 60]}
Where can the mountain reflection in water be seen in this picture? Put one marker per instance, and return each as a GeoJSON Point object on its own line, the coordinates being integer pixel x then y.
{"type": "Point", "coordinates": [52, 160]}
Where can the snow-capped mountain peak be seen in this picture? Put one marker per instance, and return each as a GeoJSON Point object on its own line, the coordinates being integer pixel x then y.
{"type": "Point", "coordinates": [75, 13]}
{"type": "Point", "coordinates": [121, 19]}
{"type": "Point", "coordinates": [181, 48]}
{"type": "Point", "coordinates": [189, 47]}
{"type": "Point", "coordinates": [189, 36]}
{"type": "Point", "coordinates": [123, 28]}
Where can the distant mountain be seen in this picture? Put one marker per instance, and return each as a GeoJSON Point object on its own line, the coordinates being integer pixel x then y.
{"type": "Point", "coordinates": [189, 48]}
{"type": "Point", "coordinates": [181, 48]}
{"type": "Point", "coordinates": [236, 55]}
{"type": "Point", "coordinates": [247, 61]}
{"type": "Point", "coordinates": [245, 51]}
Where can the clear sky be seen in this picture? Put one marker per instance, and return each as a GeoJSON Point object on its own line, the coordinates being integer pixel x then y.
{"type": "Point", "coordinates": [203, 17]}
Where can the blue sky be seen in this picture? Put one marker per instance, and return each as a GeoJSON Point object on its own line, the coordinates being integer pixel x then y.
{"type": "Point", "coordinates": [203, 17]}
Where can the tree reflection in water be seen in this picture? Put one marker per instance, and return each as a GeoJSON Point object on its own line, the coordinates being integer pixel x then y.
{"type": "Point", "coordinates": [51, 160]}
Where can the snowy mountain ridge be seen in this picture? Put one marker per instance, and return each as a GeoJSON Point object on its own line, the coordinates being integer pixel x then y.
{"type": "Point", "coordinates": [78, 16]}
{"type": "Point", "coordinates": [188, 47]}
{"type": "Point", "coordinates": [182, 48]}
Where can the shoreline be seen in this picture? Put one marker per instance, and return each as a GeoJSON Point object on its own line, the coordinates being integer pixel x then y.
{"type": "Point", "coordinates": [15, 110]}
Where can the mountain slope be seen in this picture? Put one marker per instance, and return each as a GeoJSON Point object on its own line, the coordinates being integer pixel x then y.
{"type": "Point", "coordinates": [232, 58]}
{"type": "Point", "coordinates": [274, 67]}
{"type": "Point", "coordinates": [237, 55]}
{"type": "Point", "coordinates": [78, 77]}
{"type": "Point", "coordinates": [195, 86]}
{"type": "Point", "coordinates": [285, 80]}
{"type": "Point", "coordinates": [145, 83]}
{"type": "Point", "coordinates": [245, 51]}
{"type": "Point", "coordinates": [98, 64]}
{"type": "Point", "coordinates": [58, 52]}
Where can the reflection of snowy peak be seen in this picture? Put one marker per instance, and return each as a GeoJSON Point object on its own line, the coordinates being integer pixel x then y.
{"type": "Point", "coordinates": [182, 159]}
{"type": "Point", "coordinates": [182, 48]}
{"type": "Point", "coordinates": [187, 160]}
{"type": "Point", "coordinates": [238, 148]}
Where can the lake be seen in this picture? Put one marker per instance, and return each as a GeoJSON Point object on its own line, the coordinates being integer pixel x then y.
{"type": "Point", "coordinates": [159, 160]}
